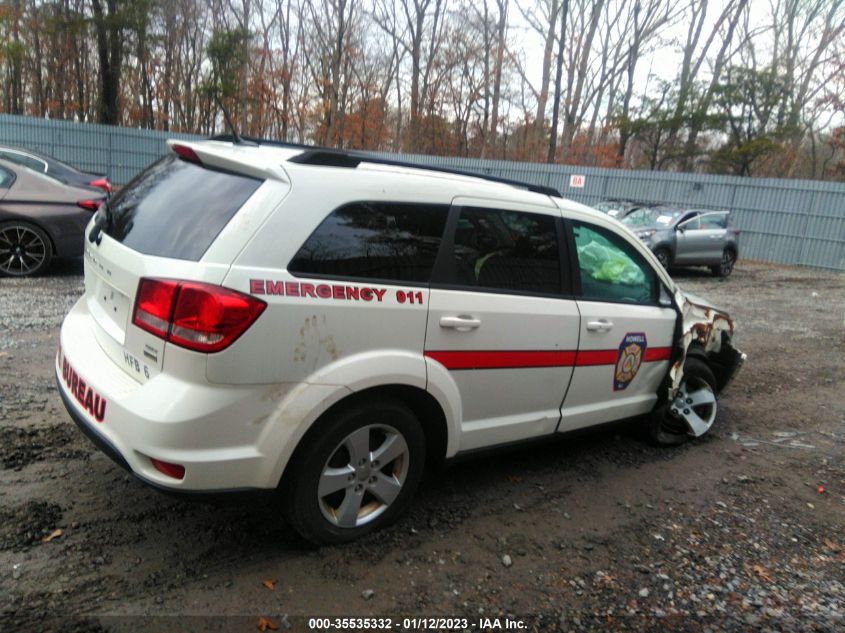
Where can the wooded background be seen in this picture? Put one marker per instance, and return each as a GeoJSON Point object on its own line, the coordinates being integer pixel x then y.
{"type": "Point", "coordinates": [757, 90]}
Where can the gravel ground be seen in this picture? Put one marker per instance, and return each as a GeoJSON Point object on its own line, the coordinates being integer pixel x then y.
{"type": "Point", "coordinates": [741, 530]}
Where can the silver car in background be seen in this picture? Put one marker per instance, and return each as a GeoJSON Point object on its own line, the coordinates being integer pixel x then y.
{"type": "Point", "coordinates": [687, 237]}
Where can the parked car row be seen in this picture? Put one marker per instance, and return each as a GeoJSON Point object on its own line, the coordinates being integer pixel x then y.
{"type": "Point", "coordinates": [45, 205]}
{"type": "Point", "coordinates": [679, 235]}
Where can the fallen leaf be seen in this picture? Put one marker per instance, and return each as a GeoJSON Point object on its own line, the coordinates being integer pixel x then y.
{"type": "Point", "coordinates": [515, 478]}
{"type": "Point", "coordinates": [831, 545]}
{"type": "Point", "coordinates": [270, 583]}
{"type": "Point", "coordinates": [54, 534]}
{"type": "Point", "coordinates": [265, 624]}
{"type": "Point", "coordinates": [761, 571]}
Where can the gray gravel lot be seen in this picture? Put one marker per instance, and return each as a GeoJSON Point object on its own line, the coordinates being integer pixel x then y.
{"type": "Point", "coordinates": [741, 530]}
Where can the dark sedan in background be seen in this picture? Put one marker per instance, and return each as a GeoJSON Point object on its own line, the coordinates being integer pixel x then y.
{"type": "Point", "coordinates": [687, 237]}
{"type": "Point", "coordinates": [53, 167]}
{"type": "Point", "coordinates": [40, 218]}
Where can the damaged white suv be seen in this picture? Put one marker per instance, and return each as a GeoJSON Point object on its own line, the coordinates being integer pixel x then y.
{"type": "Point", "coordinates": [326, 324]}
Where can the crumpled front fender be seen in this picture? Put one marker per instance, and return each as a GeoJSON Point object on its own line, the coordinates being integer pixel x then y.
{"type": "Point", "coordinates": [710, 331]}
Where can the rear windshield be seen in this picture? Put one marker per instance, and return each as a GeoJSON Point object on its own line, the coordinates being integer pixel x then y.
{"type": "Point", "coordinates": [176, 209]}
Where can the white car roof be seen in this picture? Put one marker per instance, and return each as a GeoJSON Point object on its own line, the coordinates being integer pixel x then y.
{"type": "Point", "coordinates": [278, 161]}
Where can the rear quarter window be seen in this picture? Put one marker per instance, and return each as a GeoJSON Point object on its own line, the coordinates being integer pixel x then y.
{"type": "Point", "coordinates": [389, 241]}
{"type": "Point", "coordinates": [176, 209]}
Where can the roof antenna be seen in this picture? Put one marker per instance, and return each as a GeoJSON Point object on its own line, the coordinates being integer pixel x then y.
{"type": "Point", "coordinates": [236, 138]}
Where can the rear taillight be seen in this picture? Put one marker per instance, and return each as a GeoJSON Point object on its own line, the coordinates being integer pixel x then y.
{"type": "Point", "coordinates": [154, 305]}
{"type": "Point", "coordinates": [195, 315]}
{"type": "Point", "coordinates": [102, 183]}
{"type": "Point", "coordinates": [89, 205]}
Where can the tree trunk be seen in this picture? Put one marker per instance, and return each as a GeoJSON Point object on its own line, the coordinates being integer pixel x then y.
{"type": "Point", "coordinates": [564, 13]}
{"type": "Point", "coordinates": [109, 49]}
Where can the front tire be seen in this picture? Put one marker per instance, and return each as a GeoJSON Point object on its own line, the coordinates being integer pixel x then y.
{"type": "Point", "coordinates": [355, 472]}
{"type": "Point", "coordinates": [692, 412]}
{"type": "Point", "coordinates": [725, 267]}
{"type": "Point", "coordinates": [25, 249]}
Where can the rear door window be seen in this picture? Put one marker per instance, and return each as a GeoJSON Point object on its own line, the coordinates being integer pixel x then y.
{"type": "Point", "coordinates": [692, 223]}
{"type": "Point", "coordinates": [388, 241]}
{"type": "Point", "coordinates": [176, 209]}
{"type": "Point", "coordinates": [714, 221]}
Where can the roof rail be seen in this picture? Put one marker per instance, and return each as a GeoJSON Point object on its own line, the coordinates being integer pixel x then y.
{"type": "Point", "coordinates": [330, 157]}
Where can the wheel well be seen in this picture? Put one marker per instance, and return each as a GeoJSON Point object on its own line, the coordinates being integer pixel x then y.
{"type": "Point", "coordinates": [666, 248]}
{"type": "Point", "coordinates": [420, 402]}
{"type": "Point", "coordinates": [719, 363]}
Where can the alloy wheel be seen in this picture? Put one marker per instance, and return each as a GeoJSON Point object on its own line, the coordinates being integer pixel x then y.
{"type": "Point", "coordinates": [694, 407]}
{"type": "Point", "coordinates": [22, 250]}
{"type": "Point", "coordinates": [363, 476]}
{"type": "Point", "coordinates": [727, 263]}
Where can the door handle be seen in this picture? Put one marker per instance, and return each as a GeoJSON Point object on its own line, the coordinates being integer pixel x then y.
{"type": "Point", "coordinates": [602, 325]}
{"type": "Point", "coordinates": [462, 323]}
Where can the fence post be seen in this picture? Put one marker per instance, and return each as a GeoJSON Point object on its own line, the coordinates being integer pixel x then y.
{"type": "Point", "coordinates": [807, 215]}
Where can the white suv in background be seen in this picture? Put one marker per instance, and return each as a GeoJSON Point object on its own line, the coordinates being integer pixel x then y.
{"type": "Point", "coordinates": [326, 323]}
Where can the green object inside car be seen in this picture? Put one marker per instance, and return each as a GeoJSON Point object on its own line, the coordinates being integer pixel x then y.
{"type": "Point", "coordinates": [604, 262]}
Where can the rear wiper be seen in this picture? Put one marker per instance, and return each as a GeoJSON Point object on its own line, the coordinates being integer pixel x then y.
{"type": "Point", "coordinates": [104, 220]}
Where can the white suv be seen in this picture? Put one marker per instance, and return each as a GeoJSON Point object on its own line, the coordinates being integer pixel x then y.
{"type": "Point", "coordinates": [325, 323]}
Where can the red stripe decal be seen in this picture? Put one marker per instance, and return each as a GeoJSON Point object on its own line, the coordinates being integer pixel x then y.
{"type": "Point", "coordinates": [591, 357]}
{"type": "Point", "coordinates": [494, 359]}
{"type": "Point", "coordinates": [475, 359]}
{"type": "Point", "coordinates": [657, 353]}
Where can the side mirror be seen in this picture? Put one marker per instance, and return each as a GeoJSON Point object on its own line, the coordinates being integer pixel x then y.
{"type": "Point", "coordinates": [665, 299]}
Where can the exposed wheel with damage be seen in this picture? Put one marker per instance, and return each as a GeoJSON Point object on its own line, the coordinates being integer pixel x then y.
{"type": "Point", "coordinates": [25, 249]}
{"type": "Point", "coordinates": [355, 472]}
{"type": "Point", "coordinates": [693, 410]}
{"type": "Point", "coordinates": [726, 265]}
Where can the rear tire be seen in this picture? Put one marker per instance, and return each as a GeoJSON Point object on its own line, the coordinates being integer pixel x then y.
{"type": "Point", "coordinates": [696, 399]}
{"type": "Point", "coordinates": [725, 267]}
{"type": "Point", "coordinates": [355, 472]}
{"type": "Point", "coordinates": [25, 249]}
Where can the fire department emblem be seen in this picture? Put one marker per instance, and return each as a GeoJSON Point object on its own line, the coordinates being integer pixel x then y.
{"type": "Point", "coordinates": [628, 361]}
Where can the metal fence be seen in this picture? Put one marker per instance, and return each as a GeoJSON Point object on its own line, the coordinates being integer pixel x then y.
{"type": "Point", "coordinates": [782, 221]}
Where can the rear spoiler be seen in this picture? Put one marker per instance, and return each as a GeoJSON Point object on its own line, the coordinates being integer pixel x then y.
{"type": "Point", "coordinates": [239, 159]}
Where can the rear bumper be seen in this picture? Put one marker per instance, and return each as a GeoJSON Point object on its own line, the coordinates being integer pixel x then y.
{"type": "Point", "coordinates": [99, 441]}
{"type": "Point", "coordinates": [106, 447]}
{"type": "Point", "coordinates": [226, 437]}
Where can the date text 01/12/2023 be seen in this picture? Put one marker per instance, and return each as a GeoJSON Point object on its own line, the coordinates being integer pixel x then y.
{"type": "Point", "coordinates": [417, 623]}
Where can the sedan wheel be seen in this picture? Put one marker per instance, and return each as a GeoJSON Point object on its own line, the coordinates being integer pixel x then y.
{"type": "Point", "coordinates": [24, 249]}
{"type": "Point", "coordinates": [726, 266]}
{"type": "Point", "coordinates": [355, 471]}
{"type": "Point", "coordinates": [663, 257]}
